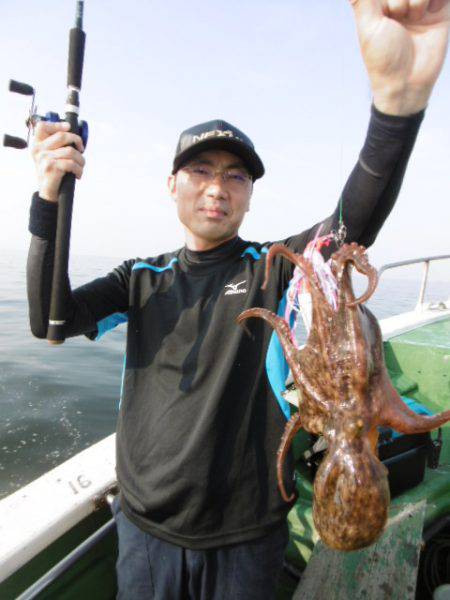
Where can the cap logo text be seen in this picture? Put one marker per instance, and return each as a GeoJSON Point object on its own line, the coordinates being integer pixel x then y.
{"type": "Point", "coordinates": [213, 133]}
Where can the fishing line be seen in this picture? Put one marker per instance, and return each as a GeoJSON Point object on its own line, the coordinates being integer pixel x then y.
{"type": "Point", "coordinates": [341, 232]}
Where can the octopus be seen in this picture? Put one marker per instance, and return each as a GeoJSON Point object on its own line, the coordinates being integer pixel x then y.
{"type": "Point", "coordinates": [344, 395]}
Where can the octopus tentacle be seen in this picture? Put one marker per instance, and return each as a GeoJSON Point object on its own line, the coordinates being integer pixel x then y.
{"type": "Point", "coordinates": [291, 353]}
{"type": "Point", "coordinates": [273, 251]}
{"type": "Point", "coordinates": [292, 426]}
{"type": "Point", "coordinates": [303, 264]}
{"type": "Point", "coordinates": [398, 416]}
{"type": "Point", "coordinates": [320, 303]}
{"type": "Point", "coordinates": [280, 326]}
{"type": "Point", "coordinates": [352, 253]}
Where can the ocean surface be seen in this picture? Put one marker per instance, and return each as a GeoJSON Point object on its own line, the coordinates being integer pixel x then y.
{"type": "Point", "coordinates": [57, 400]}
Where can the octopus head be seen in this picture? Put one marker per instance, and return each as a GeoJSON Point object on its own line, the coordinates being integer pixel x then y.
{"type": "Point", "coordinates": [351, 496]}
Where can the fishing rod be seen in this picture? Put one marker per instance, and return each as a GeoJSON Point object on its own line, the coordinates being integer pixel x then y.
{"type": "Point", "coordinates": [77, 38]}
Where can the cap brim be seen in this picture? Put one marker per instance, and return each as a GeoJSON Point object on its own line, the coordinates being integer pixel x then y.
{"type": "Point", "coordinates": [249, 156]}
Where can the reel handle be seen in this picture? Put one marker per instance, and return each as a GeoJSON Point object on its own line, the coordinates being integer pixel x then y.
{"type": "Point", "coordinates": [10, 141]}
{"type": "Point", "coordinates": [20, 88]}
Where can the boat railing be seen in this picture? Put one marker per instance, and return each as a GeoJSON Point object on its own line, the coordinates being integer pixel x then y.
{"type": "Point", "coordinates": [426, 263]}
{"type": "Point", "coordinates": [72, 558]}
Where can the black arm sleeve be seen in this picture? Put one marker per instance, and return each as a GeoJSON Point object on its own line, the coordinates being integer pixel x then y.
{"type": "Point", "coordinates": [86, 305]}
{"type": "Point", "coordinates": [374, 184]}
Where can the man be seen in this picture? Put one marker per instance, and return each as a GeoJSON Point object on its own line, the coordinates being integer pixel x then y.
{"type": "Point", "coordinates": [202, 415]}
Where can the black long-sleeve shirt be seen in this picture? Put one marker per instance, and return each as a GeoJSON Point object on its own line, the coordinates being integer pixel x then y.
{"type": "Point", "coordinates": [202, 414]}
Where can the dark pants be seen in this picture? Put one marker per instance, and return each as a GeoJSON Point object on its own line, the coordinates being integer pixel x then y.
{"type": "Point", "coordinates": [150, 568]}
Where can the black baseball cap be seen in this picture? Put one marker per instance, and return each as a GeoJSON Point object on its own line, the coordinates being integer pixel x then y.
{"type": "Point", "coordinates": [217, 135]}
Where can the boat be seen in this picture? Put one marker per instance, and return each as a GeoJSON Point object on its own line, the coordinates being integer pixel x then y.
{"type": "Point", "coordinates": [58, 538]}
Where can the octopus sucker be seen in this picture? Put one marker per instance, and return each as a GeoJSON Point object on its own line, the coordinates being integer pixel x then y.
{"type": "Point", "coordinates": [346, 394]}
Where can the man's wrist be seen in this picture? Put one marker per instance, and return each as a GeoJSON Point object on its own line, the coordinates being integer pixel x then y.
{"type": "Point", "coordinates": [43, 217]}
{"type": "Point", "coordinates": [399, 124]}
{"type": "Point", "coordinates": [401, 103]}
{"type": "Point", "coordinates": [48, 195]}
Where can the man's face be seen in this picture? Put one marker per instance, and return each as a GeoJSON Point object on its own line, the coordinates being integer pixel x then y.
{"type": "Point", "coordinates": [211, 206]}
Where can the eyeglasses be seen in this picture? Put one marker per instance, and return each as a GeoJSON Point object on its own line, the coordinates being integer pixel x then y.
{"type": "Point", "coordinates": [234, 177]}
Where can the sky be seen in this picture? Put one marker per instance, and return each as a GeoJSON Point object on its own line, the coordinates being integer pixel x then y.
{"type": "Point", "coordinates": [288, 73]}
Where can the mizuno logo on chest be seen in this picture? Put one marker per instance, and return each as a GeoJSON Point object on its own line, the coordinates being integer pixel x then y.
{"type": "Point", "coordinates": [235, 289]}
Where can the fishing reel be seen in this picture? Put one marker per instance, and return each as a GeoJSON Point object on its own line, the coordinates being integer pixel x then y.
{"type": "Point", "coordinates": [24, 89]}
